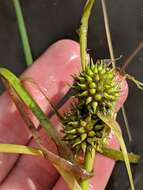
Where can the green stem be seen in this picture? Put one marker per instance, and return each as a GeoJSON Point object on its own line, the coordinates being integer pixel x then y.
{"type": "Point", "coordinates": [88, 165]}
{"type": "Point", "coordinates": [83, 32]}
{"type": "Point", "coordinates": [118, 155]}
{"type": "Point", "coordinates": [126, 123]}
{"type": "Point", "coordinates": [23, 32]}
{"type": "Point", "coordinates": [108, 34]}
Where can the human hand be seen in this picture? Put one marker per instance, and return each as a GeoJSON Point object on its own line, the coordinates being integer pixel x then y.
{"type": "Point", "coordinates": [52, 71]}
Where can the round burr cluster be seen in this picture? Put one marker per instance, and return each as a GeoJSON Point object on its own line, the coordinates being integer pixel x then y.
{"type": "Point", "coordinates": [82, 131]}
{"type": "Point", "coordinates": [97, 87]}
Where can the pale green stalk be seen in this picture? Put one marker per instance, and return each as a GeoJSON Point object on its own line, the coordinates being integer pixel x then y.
{"type": "Point", "coordinates": [83, 33]}
{"type": "Point", "coordinates": [118, 154]}
{"type": "Point", "coordinates": [88, 165]}
{"type": "Point", "coordinates": [23, 32]}
{"type": "Point", "coordinates": [90, 154]}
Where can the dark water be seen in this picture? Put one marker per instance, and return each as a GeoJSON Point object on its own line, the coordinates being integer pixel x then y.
{"type": "Point", "coordinates": [50, 20]}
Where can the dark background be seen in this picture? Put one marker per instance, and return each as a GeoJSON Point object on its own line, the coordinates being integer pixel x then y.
{"type": "Point", "coordinates": [50, 20]}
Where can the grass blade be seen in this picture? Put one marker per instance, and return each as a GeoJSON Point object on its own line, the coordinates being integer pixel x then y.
{"type": "Point", "coordinates": [73, 168]}
{"type": "Point", "coordinates": [25, 97]}
{"type": "Point", "coordinates": [115, 128]}
{"type": "Point", "coordinates": [21, 149]}
{"type": "Point", "coordinates": [118, 155]}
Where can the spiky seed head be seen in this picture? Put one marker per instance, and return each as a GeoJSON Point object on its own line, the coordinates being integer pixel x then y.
{"type": "Point", "coordinates": [97, 87]}
{"type": "Point", "coordinates": [82, 132]}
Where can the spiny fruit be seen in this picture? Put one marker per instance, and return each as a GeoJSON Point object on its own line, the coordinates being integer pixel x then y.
{"type": "Point", "coordinates": [97, 87]}
{"type": "Point", "coordinates": [97, 90]}
{"type": "Point", "coordinates": [82, 130]}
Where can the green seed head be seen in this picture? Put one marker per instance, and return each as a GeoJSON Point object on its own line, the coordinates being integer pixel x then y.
{"type": "Point", "coordinates": [97, 88]}
{"type": "Point", "coordinates": [82, 132]}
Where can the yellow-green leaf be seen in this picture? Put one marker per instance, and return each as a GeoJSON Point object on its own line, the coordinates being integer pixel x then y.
{"type": "Point", "coordinates": [15, 83]}
{"type": "Point", "coordinates": [21, 149]}
{"type": "Point", "coordinates": [116, 129]}
{"type": "Point", "coordinates": [118, 155]}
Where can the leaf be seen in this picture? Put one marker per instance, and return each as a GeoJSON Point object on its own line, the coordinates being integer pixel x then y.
{"type": "Point", "coordinates": [66, 164]}
{"type": "Point", "coordinates": [118, 155]}
{"type": "Point", "coordinates": [115, 128]}
{"type": "Point", "coordinates": [13, 82]}
{"type": "Point", "coordinates": [21, 149]}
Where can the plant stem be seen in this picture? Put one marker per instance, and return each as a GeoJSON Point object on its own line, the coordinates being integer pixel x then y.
{"type": "Point", "coordinates": [132, 56]}
{"type": "Point", "coordinates": [23, 32]}
{"type": "Point", "coordinates": [83, 32]}
{"type": "Point", "coordinates": [108, 34]}
{"type": "Point", "coordinates": [90, 154]}
{"type": "Point", "coordinates": [126, 123]}
{"type": "Point", "coordinates": [88, 165]}
{"type": "Point", "coordinates": [118, 155]}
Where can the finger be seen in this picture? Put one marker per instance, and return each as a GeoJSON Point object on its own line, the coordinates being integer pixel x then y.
{"type": "Point", "coordinates": [60, 184]}
{"type": "Point", "coordinates": [103, 168]}
{"type": "Point", "coordinates": [42, 175]}
{"type": "Point", "coordinates": [52, 71]}
{"type": "Point", "coordinates": [21, 178]}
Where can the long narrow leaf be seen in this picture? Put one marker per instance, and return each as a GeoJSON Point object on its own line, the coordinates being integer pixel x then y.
{"type": "Point", "coordinates": [68, 166]}
{"type": "Point", "coordinates": [118, 155]}
{"type": "Point", "coordinates": [21, 149]}
{"type": "Point", "coordinates": [115, 128]}
{"type": "Point", "coordinates": [23, 94]}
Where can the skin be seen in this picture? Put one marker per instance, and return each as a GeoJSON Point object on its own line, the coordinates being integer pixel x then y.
{"type": "Point", "coordinates": [52, 71]}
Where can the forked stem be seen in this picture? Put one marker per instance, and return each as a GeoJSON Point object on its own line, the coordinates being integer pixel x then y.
{"type": "Point", "coordinates": [83, 32]}
{"type": "Point", "coordinates": [133, 79]}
